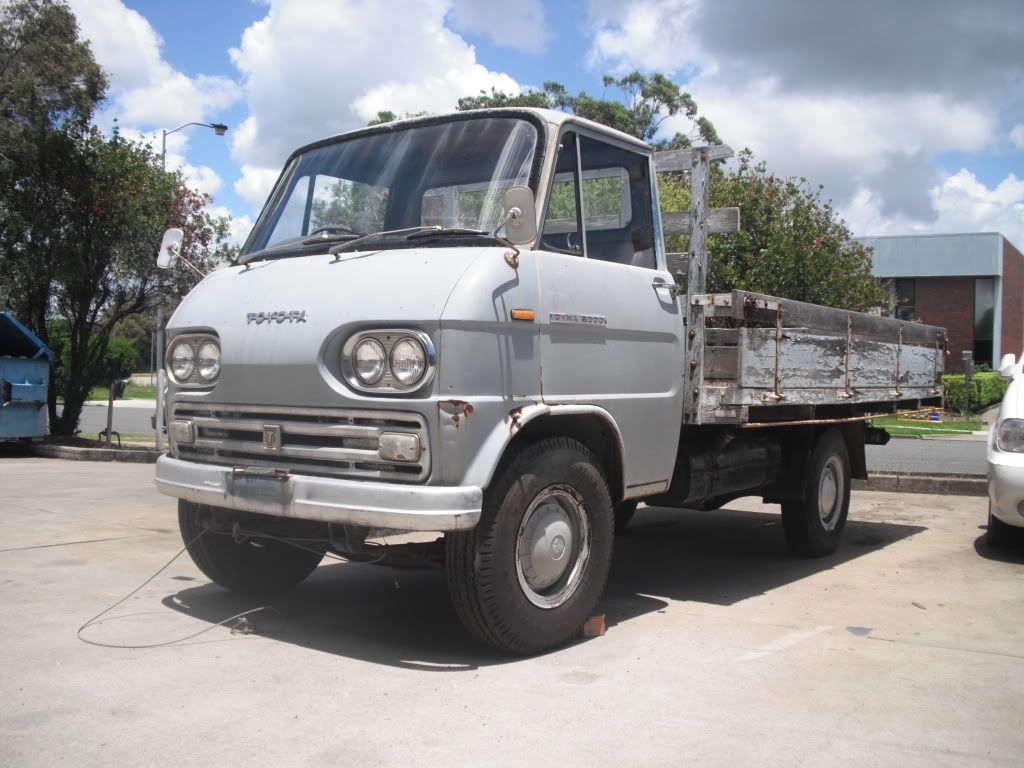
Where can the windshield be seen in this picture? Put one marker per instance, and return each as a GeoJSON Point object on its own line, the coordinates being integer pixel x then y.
{"type": "Point", "coordinates": [452, 174]}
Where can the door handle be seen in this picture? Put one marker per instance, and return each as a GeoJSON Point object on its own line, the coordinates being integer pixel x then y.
{"type": "Point", "coordinates": [673, 289]}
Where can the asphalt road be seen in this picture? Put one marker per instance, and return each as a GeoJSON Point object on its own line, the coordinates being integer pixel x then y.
{"type": "Point", "coordinates": [130, 417]}
{"type": "Point", "coordinates": [903, 454]}
{"type": "Point", "coordinates": [721, 649]}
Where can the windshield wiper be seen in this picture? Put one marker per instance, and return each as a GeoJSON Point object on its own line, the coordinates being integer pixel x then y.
{"type": "Point", "coordinates": [447, 231]}
{"type": "Point", "coordinates": [384, 233]}
{"type": "Point", "coordinates": [294, 246]}
{"type": "Point", "coordinates": [341, 237]}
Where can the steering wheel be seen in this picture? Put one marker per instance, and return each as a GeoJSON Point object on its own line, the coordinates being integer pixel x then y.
{"type": "Point", "coordinates": [330, 228]}
{"type": "Point", "coordinates": [569, 250]}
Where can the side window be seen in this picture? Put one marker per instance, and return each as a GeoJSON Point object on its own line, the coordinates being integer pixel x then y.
{"type": "Point", "coordinates": [561, 224]}
{"type": "Point", "coordinates": [465, 205]}
{"type": "Point", "coordinates": [619, 221]}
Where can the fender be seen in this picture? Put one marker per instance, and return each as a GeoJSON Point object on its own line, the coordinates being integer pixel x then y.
{"type": "Point", "coordinates": [481, 470]}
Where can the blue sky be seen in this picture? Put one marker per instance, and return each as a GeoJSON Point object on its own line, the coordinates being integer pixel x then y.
{"type": "Point", "coordinates": [913, 124]}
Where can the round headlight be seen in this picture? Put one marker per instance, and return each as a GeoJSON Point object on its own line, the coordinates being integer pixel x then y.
{"type": "Point", "coordinates": [183, 361]}
{"type": "Point", "coordinates": [408, 362]}
{"type": "Point", "coordinates": [209, 361]}
{"type": "Point", "coordinates": [369, 360]}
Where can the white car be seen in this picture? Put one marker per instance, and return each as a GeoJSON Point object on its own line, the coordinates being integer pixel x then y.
{"type": "Point", "coordinates": [1006, 459]}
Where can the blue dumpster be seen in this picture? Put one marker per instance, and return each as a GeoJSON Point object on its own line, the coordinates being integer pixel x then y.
{"type": "Point", "coordinates": [24, 376]}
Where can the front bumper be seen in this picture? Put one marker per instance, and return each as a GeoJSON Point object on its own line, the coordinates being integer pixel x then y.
{"type": "Point", "coordinates": [329, 500]}
{"type": "Point", "coordinates": [1006, 486]}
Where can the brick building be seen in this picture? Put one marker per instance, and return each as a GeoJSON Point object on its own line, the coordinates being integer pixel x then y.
{"type": "Point", "coordinates": [972, 284]}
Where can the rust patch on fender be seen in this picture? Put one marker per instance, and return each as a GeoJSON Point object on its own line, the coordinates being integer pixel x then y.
{"type": "Point", "coordinates": [454, 410]}
{"type": "Point", "coordinates": [516, 414]}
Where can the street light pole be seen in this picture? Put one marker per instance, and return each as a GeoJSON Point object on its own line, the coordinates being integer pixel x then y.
{"type": "Point", "coordinates": [220, 129]}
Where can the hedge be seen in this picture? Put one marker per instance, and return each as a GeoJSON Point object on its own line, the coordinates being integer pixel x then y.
{"type": "Point", "coordinates": [986, 389]}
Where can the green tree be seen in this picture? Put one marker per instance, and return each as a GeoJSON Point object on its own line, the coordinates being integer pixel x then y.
{"type": "Point", "coordinates": [644, 103]}
{"type": "Point", "coordinates": [791, 243]}
{"type": "Point", "coordinates": [49, 87]}
{"type": "Point", "coordinates": [81, 213]}
{"type": "Point", "coordinates": [49, 81]}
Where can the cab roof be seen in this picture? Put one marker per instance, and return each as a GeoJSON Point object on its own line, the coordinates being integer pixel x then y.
{"type": "Point", "coordinates": [551, 117]}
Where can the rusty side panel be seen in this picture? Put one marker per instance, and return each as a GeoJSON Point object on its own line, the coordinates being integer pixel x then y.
{"type": "Point", "coordinates": [453, 412]}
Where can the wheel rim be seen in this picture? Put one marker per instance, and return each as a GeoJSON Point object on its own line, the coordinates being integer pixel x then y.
{"type": "Point", "coordinates": [830, 493]}
{"type": "Point", "coordinates": [553, 546]}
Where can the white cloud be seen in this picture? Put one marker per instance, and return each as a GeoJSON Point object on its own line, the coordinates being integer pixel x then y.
{"type": "Point", "coordinates": [962, 204]}
{"type": "Point", "coordinates": [313, 68]}
{"type": "Point", "coordinates": [255, 183]}
{"type": "Point", "coordinates": [799, 90]}
{"type": "Point", "coordinates": [655, 34]}
{"type": "Point", "coordinates": [966, 205]}
{"type": "Point", "coordinates": [240, 226]}
{"type": "Point", "coordinates": [145, 90]}
{"type": "Point", "coordinates": [521, 27]}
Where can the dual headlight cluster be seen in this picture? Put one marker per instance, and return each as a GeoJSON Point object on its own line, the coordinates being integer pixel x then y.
{"type": "Point", "coordinates": [1009, 436]}
{"type": "Point", "coordinates": [371, 361]}
{"type": "Point", "coordinates": [388, 360]}
{"type": "Point", "coordinates": [194, 361]}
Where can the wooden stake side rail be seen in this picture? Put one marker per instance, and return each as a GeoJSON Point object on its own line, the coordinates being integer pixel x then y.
{"type": "Point", "coordinates": [825, 362]}
{"type": "Point", "coordinates": [779, 360]}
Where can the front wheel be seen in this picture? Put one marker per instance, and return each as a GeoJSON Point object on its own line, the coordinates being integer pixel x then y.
{"type": "Point", "coordinates": [815, 525]}
{"type": "Point", "coordinates": [248, 565]}
{"type": "Point", "coordinates": [532, 572]}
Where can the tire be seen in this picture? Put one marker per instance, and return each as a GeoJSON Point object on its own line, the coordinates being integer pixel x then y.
{"type": "Point", "coordinates": [251, 567]}
{"type": "Point", "coordinates": [624, 512]}
{"type": "Point", "coordinates": [1001, 535]}
{"type": "Point", "coordinates": [814, 526]}
{"type": "Point", "coordinates": [505, 577]}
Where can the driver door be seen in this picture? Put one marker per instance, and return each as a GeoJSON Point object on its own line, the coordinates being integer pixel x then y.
{"type": "Point", "coordinates": [611, 328]}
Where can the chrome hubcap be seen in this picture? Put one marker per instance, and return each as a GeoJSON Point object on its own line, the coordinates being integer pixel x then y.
{"type": "Point", "coordinates": [553, 546]}
{"type": "Point", "coordinates": [830, 493]}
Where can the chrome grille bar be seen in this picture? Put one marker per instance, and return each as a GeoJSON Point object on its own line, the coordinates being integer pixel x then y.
{"type": "Point", "coordinates": [329, 442]}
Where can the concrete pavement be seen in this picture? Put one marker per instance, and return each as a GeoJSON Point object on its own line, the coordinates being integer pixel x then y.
{"type": "Point", "coordinates": [721, 650]}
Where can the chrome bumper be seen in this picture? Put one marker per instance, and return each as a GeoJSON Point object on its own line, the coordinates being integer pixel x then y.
{"type": "Point", "coordinates": [350, 502]}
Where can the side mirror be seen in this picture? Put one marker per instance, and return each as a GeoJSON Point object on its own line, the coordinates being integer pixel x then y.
{"type": "Point", "coordinates": [170, 249]}
{"type": "Point", "coordinates": [1008, 365]}
{"type": "Point", "coordinates": [521, 215]}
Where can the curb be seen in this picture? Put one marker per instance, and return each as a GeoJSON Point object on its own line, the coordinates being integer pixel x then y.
{"type": "Point", "coordinates": [945, 485]}
{"type": "Point", "coordinates": [132, 455]}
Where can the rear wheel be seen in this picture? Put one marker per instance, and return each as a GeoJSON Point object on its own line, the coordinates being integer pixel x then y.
{"type": "Point", "coordinates": [814, 526]}
{"type": "Point", "coordinates": [246, 565]}
{"type": "Point", "coordinates": [533, 570]}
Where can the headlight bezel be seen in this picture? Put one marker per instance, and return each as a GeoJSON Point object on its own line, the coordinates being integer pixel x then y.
{"type": "Point", "coordinates": [199, 362]}
{"type": "Point", "coordinates": [388, 383]}
{"type": "Point", "coordinates": [194, 342]}
{"type": "Point", "coordinates": [1002, 435]}
{"type": "Point", "coordinates": [372, 343]}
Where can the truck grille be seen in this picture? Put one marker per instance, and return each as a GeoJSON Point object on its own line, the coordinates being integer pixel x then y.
{"type": "Point", "coordinates": [328, 442]}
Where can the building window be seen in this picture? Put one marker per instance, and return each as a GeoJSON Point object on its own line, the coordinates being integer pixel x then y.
{"type": "Point", "coordinates": [984, 319]}
{"type": "Point", "coordinates": [904, 299]}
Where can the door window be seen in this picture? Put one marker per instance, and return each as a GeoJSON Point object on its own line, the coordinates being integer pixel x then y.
{"type": "Point", "coordinates": [617, 223]}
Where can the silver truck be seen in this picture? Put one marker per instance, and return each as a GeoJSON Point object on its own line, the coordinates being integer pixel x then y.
{"type": "Point", "coordinates": [468, 324]}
